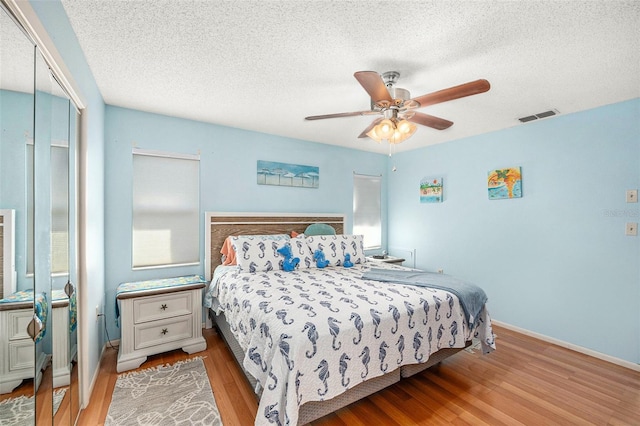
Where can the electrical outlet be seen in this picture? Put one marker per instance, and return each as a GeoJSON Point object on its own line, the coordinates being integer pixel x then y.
{"type": "Point", "coordinates": [632, 229]}
{"type": "Point", "coordinates": [441, 271]}
{"type": "Point", "coordinates": [632, 196]}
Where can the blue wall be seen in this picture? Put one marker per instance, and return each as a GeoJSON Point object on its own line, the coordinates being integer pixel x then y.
{"type": "Point", "coordinates": [16, 121]}
{"type": "Point", "coordinates": [555, 262]}
{"type": "Point", "coordinates": [228, 181]}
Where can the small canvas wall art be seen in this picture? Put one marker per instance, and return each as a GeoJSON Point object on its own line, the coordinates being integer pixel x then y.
{"type": "Point", "coordinates": [504, 183]}
{"type": "Point", "coordinates": [282, 174]}
{"type": "Point", "coordinates": [431, 190]}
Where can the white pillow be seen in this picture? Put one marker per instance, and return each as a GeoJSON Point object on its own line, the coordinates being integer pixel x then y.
{"type": "Point", "coordinates": [335, 247]}
{"type": "Point", "coordinates": [259, 253]}
{"type": "Point", "coordinates": [301, 250]}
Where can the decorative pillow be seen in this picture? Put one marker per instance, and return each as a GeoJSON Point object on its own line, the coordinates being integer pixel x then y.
{"type": "Point", "coordinates": [319, 229]}
{"type": "Point", "coordinates": [335, 247]}
{"type": "Point", "coordinates": [258, 253]}
{"type": "Point", "coordinates": [228, 253]}
{"type": "Point", "coordinates": [301, 250]}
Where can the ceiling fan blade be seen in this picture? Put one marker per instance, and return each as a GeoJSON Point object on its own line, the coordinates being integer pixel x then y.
{"type": "Point", "coordinates": [342, 114]}
{"type": "Point", "coordinates": [455, 92]}
{"type": "Point", "coordinates": [430, 121]}
{"type": "Point", "coordinates": [373, 84]}
{"type": "Point", "coordinates": [371, 126]}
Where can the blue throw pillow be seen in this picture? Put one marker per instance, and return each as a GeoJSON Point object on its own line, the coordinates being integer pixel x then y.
{"type": "Point", "coordinates": [319, 229]}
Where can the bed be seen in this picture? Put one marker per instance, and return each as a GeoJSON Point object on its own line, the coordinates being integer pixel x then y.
{"type": "Point", "coordinates": [313, 340]}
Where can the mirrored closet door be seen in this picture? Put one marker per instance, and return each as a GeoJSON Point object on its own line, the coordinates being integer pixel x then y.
{"type": "Point", "coordinates": [38, 314]}
{"type": "Point", "coordinates": [20, 372]}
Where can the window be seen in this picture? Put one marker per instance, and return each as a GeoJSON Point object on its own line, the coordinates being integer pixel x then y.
{"type": "Point", "coordinates": [59, 209]}
{"type": "Point", "coordinates": [59, 225]}
{"type": "Point", "coordinates": [166, 209]}
{"type": "Point", "coordinates": [367, 217]}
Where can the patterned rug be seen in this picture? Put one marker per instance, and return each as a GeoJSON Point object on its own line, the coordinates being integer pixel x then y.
{"type": "Point", "coordinates": [178, 394]}
{"type": "Point", "coordinates": [19, 411]}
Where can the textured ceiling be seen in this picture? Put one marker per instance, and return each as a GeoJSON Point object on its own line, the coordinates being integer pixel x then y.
{"type": "Point", "coordinates": [265, 65]}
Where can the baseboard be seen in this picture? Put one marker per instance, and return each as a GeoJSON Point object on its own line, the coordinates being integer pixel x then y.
{"type": "Point", "coordinates": [95, 377]}
{"type": "Point", "coordinates": [621, 362]}
{"type": "Point", "coordinates": [97, 372]}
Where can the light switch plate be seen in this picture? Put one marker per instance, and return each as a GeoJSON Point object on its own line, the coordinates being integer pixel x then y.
{"type": "Point", "coordinates": [632, 229]}
{"type": "Point", "coordinates": [632, 195]}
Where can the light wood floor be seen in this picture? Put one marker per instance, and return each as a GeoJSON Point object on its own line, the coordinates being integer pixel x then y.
{"type": "Point", "coordinates": [526, 381]}
{"type": "Point", "coordinates": [44, 399]}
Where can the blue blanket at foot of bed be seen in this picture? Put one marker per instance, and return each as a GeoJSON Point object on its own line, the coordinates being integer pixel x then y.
{"type": "Point", "coordinates": [472, 298]}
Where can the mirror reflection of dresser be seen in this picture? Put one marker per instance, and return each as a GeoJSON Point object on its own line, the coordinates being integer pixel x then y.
{"type": "Point", "coordinates": [38, 271]}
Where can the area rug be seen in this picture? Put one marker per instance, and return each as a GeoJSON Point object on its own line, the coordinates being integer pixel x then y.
{"type": "Point", "coordinates": [177, 394]}
{"type": "Point", "coordinates": [19, 411]}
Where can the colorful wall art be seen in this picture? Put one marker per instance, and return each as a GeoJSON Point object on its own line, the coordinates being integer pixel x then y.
{"type": "Point", "coordinates": [504, 183]}
{"type": "Point", "coordinates": [282, 174]}
{"type": "Point", "coordinates": [431, 190]}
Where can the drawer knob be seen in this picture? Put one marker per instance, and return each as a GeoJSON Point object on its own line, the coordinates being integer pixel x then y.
{"type": "Point", "coordinates": [164, 331]}
{"type": "Point", "coordinates": [164, 306]}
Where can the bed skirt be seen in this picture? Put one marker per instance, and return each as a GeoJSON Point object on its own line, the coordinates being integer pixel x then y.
{"type": "Point", "coordinates": [313, 410]}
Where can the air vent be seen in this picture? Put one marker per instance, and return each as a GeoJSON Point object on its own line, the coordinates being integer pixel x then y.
{"type": "Point", "coordinates": [528, 118]}
{"type": "Point", "coordinates": [545, 114]}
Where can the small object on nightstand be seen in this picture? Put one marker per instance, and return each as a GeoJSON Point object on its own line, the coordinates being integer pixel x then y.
{"type": "Point", "coordinates": [386, 259]}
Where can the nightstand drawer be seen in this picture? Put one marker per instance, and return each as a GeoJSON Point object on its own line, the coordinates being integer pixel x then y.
{"type": "Point", "coordinates": [18, 321]}
{"type": "Point", "coordinates": [160, 332]}
{"type": "Point", "coordinates": [21, 355]}
{"type": "Point", "coordinates": [163, 306]}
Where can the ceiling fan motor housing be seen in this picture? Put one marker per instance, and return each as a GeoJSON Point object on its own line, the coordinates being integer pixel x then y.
{"type": "Point", "coordinates": [397, 93]}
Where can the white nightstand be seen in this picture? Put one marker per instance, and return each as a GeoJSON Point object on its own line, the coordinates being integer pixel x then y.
{"type": "Point", "coordinates": [387, 259]}
{"type": "Point", "coordinates": [158, 320]}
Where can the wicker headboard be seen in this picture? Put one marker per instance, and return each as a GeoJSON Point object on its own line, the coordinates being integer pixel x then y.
{"type": "Point", "coordinates": [218, 226]}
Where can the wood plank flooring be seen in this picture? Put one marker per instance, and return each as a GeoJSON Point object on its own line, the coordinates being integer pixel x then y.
{"type": "Point", "coordinates": [525, 382]}
{"type": "Point", "coordinates": [44, 399]}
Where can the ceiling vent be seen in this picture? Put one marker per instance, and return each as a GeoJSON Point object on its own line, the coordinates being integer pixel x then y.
{"type": "Point", "coordinates": [545, 114]}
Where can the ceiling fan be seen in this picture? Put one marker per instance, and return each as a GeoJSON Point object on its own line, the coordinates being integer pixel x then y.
{"type": "Point", "coordinates": [399, 118]}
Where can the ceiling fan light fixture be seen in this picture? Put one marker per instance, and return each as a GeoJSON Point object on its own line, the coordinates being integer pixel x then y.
{"type": "Point", "coordinates": [406, 127]}
{"type": "Point", "coordinates": [385, 129]}
{"type": "Point", "coordinates": [400, 136]}
{"type": "Point", "coordinates": [373, 134]}
{"type": "Point", "coordinates": [397, 137]}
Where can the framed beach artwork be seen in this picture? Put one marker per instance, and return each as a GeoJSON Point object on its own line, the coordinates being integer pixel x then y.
{"type": "Point", "coordinates": [431, 190]}
{"type": "Point", "coordinates": [504, 183]}
{"type": "Point", "coordinates": [283, 174]}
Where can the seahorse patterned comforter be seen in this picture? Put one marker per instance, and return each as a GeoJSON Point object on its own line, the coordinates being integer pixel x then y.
{"type": "Point", "coordinates": [311, 334]}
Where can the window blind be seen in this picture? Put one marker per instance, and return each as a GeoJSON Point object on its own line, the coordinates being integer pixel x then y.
{"type": "Point", "coordinates": [367, 215]}
{"type": "Point", "coordinates": [166, 209]}
{"type": "Point", "coordinates": [59, 227]}
{"type": "Point", "coordinates": [59, 210]}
